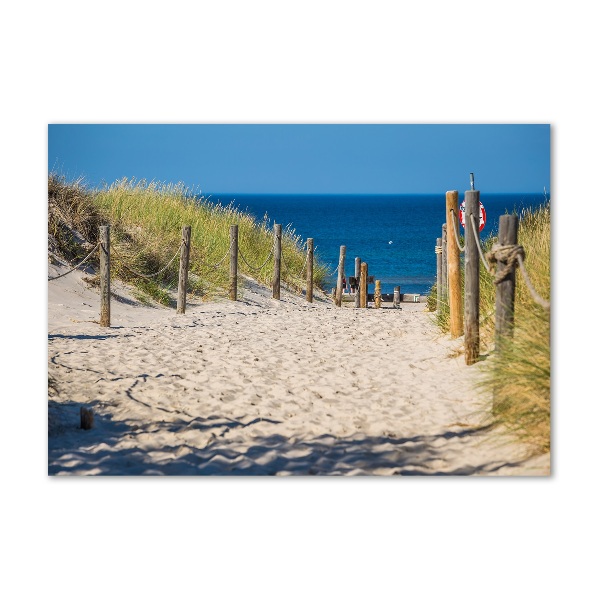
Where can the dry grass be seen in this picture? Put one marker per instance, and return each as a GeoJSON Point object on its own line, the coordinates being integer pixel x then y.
{"type": "Point", "coordinates": [517, 374]}
{"type": "Point", "coordinates": [146, 220]}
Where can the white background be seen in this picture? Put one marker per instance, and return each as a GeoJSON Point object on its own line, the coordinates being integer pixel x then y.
{"type": "Point", "coordinates": [300, 62]}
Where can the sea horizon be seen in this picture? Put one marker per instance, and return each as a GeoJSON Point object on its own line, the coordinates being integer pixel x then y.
{"type": "Point", "coordinates": [395, 233]}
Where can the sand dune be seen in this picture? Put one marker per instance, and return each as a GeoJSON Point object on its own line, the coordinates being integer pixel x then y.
{"type": "Point", "coordinates": [263, 387]}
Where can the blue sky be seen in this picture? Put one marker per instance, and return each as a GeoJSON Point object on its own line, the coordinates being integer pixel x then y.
{"type": "Point", "coordinates": [307, 158]}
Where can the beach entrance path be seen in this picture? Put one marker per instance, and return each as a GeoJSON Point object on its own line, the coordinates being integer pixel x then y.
{"type": "Point", "coordinates": [264, 387]}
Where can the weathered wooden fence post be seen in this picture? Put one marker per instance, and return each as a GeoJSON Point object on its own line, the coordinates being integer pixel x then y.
{"type": "Point", "coordinates": [340, 276]}
{"type": "Point", "coordinates": [397, 297]}
{"type": "Point", "coordinates": [105, 276]}
{"type": "Point", "coordinates": [471, 277]}
{"type": "Point", "coordinates": [363, 284]}
{"type": "Point", "coordinates": [184, 261]}
{"type": "Point", "coordinates": [310, 248]}
{"type": "Point", "coordinates": [438, 260]}
{"type": "Point", "coordinates": [377, 295]}
{"type": "Point", "coordinates": [508, 227]}
{"type": "Point", "coordinates": [444, 263]}
{"type": "Point", "coordinates": [454, 294]}
{"type": "Point", "coordinates": [233, 261]}
{"type": "Point", "coordinates": [277, 266]}
{"type": "Point", "coordinates": [357, 282]}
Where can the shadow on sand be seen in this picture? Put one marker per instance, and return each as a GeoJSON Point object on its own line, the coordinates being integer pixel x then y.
{"type": "Point", "coordinates": [74, 451]}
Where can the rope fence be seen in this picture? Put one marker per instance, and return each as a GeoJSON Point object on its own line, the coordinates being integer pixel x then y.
{"type": "Point", "coordinates": [183, 250]}
{"type": "Point", "coordinates": [501, 262]}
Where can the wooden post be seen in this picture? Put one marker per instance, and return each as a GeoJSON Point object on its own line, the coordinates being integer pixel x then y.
{"type": "Point", "coordinates": [363, 284]}
{"type": "Point", "coordinates": [508, 227]}
{"type": "Point", "coordinates": [233, 261]}
{"type": "Point", "coordinates": [454, 295]}
{"type": "Point", "coordinates": [357, 277]}
{"type": "Point", "coordinates": [86, 418]}
{"type": "Point", "coordinates": [277, 266]}
{"type": "Point", "coordinates": [471, 278]}
{"type": "Point", "coordinates": [397, 296]}
{"type": "Point", "coordinates": [105, 276]}
{"type": "Point", "coordinates": [184, 261]}
{"type": "Point", "coordinates": [310, 248]}
{"type": "Point", "coordinates": [444, 263]}
{"type": "Point", "coordinates": [438, 285]}
{"type": "Point", "coordinates": [340, 277]}
{"type": "Point", "coordinates": [377, 296]}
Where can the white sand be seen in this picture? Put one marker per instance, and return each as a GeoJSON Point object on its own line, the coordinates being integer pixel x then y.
{"type": "Point", "coordinates": [262, 387]}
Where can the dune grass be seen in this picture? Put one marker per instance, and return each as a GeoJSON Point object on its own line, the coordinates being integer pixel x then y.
{"type": "Point", "coordinates": [517, 374]}
{"type": "Point", "coordinates": [146, 220]}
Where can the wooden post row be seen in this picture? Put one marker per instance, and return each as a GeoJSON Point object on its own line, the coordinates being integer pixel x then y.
{"type": "Point", "coordinates": [340, 276]}
{"type": "Point", "coordinates": [505, 291]}
{"type": "Point", "coordinates": [184, 261]}
{"type": "Point", "coordinates": [277, 265]}
{"type": "Point", "coordinates": [309, 269]}
{"type": "Point", "coordinates": [471, 278]}
{"type": "Point", "coordinates": [453, 252]}
{"type": "Point", "coordinates": [105, 276]}
{"type": "Point", "coordinates": [233, 261]}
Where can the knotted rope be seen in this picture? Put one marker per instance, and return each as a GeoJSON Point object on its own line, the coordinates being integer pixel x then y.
{"type": "Point", "coordinates": [513, 255]}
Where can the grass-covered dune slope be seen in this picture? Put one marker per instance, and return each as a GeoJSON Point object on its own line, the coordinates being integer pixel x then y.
{"type": "Point", "coordinates": [517, 375]}
{"type": "Point", "coordinates": [146, 220]}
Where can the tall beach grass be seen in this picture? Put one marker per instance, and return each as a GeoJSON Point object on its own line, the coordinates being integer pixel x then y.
{"type": "Point", "coordinates": [517, 374]}
{"type": "Point", "coordinates": [146, 220]}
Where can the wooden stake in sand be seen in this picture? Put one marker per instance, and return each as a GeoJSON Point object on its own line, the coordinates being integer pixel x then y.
{"type": "Point", "coordinates": [454, 295]}
{"type": "Point", "coordinates": [86, 416]}
{"type": "Point", "coordinates": [105, 276]}
{"type": "Point", "coordinates": [356, 284]}
{"type": "Point", "coordinates": [471, 278]}
{"type": "Point", "coordinates": [310, 248]}
{"type": "Point", "coordinates": [508, 227]}
{"type": "Point", "coordinates": [233, 261]}
{"type": "Point", "coordinates": [363, 284]}
{"type": "Point", "coordinates": [277, 265]}
{"type": "Point", "coordinates": [377, 296]}
{"type": "Point", "coordinates": [340, 276]}
{"type": "Point", "coordinates": [438, 285]}
{"type": "Point", "coordinates": [184, 261]}
{"type": "Point", "coordinates": [444, 263]}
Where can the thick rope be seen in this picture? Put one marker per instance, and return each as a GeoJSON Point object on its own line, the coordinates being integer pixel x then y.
{"type": "Point", "coordinates": [476, 232]}
{"type": "Point", "coordinates": [456, 236]}
{"type": "Point", "coordinates": [76, 266]}
{"type": "Point", "coordinates": [541, 301]}
{"type": "Point", "coordinates": [438, 249]}
{"type": "Point", "coordinates": [151, 275]}
{"type": "Point", "coordinates": [287, 268]}
{"type": "Point", "coordinates": [252, 268]}
{"type": "Point", "coordinates": [513, 256]}
{"type": "Point", "coordinates": [216, 266]}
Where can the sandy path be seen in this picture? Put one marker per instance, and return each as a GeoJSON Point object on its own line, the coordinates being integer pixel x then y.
{"type": "Point", "coordinates": [261, 387]}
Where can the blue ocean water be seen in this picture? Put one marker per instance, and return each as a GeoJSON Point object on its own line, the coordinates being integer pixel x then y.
{"type": "Point", "coordinates": [394, 234]}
